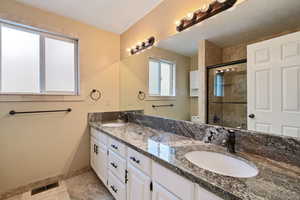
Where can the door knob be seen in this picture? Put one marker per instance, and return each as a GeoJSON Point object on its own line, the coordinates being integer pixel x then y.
{"type": "Point", "coordinates": [251, 116]}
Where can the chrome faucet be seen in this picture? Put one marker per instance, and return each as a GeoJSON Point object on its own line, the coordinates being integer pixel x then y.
{"type": "Point", "coordinates": [230, 141]}
{"type": "Point", "coordinates": [123, 117]}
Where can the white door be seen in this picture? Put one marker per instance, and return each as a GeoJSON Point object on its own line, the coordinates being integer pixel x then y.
{"type": "Point", "coordinates": [274, 85]}
{"type": "Point", "coordinates": [160, 193]}
{"type": "Point", "coordinates": [138, 185]}
{"type": "Point", "coordinates": [101, 160]}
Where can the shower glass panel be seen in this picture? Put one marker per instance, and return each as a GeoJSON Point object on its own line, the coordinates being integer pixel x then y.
{"type": "Point", "coordinates": [227, 96]}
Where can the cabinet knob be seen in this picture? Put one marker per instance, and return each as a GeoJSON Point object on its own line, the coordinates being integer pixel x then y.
{"type": "Point", "coordinates": [114, 165]}
{"type": "Point", "coordinates": [114, 189]}
{"type": "Point", "coordinates": [251, 116]}
{"type": "Point", "coordinates": [135, 160]}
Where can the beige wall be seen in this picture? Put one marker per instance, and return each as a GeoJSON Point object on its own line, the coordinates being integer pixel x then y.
{"type": "Point", "coordinates": [208, 54]}
{"type": "Point", "coordinates": [34, 147]}
{"type": "Point", "coordinates": [194, 100]}
{"type": "Point", "coordinates": [239, 51]}
{"type": "Point", "coordinates": [159, 22]}
{"type": "Point", "coordinates": [134, 78]}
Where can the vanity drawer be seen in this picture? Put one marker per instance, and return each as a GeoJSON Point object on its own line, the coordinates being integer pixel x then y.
{"type": "Point", "coordinates": [117, 165]}
{"type": "Point", "coordinates": [116, 187]}
{"type": "Point", "coordinates": [99, 136]}
{"type": "Point", "coordinates": [117, 146]}
{"type": "Point", "coordinates": [176, 184]}
{"type": "Point", "coordinates": [139, 160]}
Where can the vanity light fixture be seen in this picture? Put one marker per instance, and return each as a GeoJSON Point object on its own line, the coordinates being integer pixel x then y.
{"type": "Point", "coordinates": [207, 11]}
{"type": "Point", "coordinates": [141, 46]}
{"type": "Point", "coordinates": [223, 70]}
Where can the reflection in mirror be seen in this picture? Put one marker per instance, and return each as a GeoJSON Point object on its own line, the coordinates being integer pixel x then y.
{"type": "Point", "coordinates": [163, 76]}
{"type": "Point", "coordinates": [260, 94]}
{"type": "Point", "coordinates": [227, 95]}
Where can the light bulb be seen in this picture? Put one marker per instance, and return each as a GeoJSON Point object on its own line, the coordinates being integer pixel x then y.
{"type": "Point", "coordinates": [177, 23]}
{"type": "Point", "coordinates": [128, 49]}
{"type": "Point", "coordinates": [190, 16]}
{"type": "Point", "coordinates": [221, 1]}
{"type": "Point", "coordinates": [205, 8]}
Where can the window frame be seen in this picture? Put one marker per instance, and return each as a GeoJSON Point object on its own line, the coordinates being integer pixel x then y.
{"type": "Point", "coordinates": [43, 34]}
{"type": "Point", "coordinates": [172, 75]}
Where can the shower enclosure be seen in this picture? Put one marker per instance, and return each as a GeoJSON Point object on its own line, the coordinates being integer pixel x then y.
{"type": "Point", "coordinates": [227, 94]}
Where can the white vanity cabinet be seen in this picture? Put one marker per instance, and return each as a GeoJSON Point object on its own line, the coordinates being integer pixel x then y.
{"type": "Point", "coordinates": [172, 182]}
{"type": "Point", "coordinates": [130, 175]}
{"type": "Point", "coordinates": [93, 155]}
{"type": "Point", "coordinates": [202, 194]}
{"type": "Point", "coordinates": [101, 152]}
{"type": "Point", "coordinates": [116, 187]}
{"type": "Point", "coordinates": [160, 193]}
{"type": "Point", "coordinates": [99, 158]}
{"type": "Point", "coordinates": [138, 185]}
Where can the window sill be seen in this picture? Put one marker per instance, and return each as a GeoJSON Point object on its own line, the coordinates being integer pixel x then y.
{"type": "Point", "coordinates": [40, 97]}
{"type": "Point", "coordinates": [161, 98]}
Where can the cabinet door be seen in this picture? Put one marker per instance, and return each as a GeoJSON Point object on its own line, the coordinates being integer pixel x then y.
{"type": "Point", "coordinates": [93, 155]}
{"type": "Point", "coordinates": [101, 162]}
{"type": "Point", "coordinates": [138, 185]}
{"type": "Point", "coordinates": [160, 193]}
{"type": "Point", "coordinates": [116, 187]}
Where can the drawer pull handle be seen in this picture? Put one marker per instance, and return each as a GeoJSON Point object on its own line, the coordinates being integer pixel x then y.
{"type": "Point", "coordinates": [135, 160]}
{"type": "Point", "coordinates": [114, 189]}
{"type": "Point", "coordinates": [114, 146]}
{"type": "Point", "coordinates": [114, 165]}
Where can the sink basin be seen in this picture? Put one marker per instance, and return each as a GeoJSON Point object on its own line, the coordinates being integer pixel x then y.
{"type": "Point", "coordinates": [114, 125]}
{"type": "Point", "coordinates": [222, 164]}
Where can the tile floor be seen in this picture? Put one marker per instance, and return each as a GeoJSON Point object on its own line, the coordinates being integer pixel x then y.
{"type": "Point", "coordinates": [83, 187]}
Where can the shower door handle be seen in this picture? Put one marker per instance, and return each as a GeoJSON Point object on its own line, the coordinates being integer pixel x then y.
{"type": "Point", "coordinates": [251, 116]}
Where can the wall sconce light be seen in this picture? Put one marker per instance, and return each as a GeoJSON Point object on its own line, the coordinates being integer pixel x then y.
{"type": "Point", "coordinates": [141, 46]}
{"type": "Point", "coordinates": [207, 11]}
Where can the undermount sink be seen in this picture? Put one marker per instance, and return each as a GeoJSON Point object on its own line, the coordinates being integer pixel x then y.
{"type": "Point", "coordinates": [114, 125]}
{"type": "Point", "coordinates": [222, 164]}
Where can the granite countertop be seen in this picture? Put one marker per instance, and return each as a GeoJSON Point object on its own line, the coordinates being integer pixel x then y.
{"type": "Point", "coordinates": [275, 181]}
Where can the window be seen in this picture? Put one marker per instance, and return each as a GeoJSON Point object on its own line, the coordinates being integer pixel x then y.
{"type": "Point", "coordinates": [219, 85]}
{"type": "Point", "coordinates": [35, 62]}
{"type": "Point", "coordinates": [161, 78]}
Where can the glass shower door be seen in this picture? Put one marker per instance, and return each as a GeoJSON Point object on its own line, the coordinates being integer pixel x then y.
{"type": "Point", "coordinates": [227, 96]}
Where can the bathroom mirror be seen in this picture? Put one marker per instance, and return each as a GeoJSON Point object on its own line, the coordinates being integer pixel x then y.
{"type": "Point", "coordinates": [222, 74]}
{"type": "Point", "coordinates": [157, 81]}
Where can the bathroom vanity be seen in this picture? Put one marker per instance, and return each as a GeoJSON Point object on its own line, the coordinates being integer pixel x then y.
{"type": "Point", "coordinates": [129, 173]}
{"type": "Point", "coordinates": [136, 161]}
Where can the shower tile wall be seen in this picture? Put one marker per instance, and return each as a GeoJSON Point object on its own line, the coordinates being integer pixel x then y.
{"type": "Point", "coordinates": [230, 109]}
